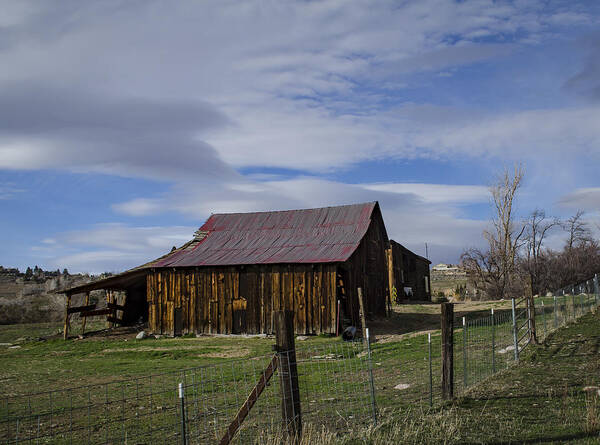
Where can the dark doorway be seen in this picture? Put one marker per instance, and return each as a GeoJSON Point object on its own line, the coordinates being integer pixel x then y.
{"type": "Point", "coordinates": [178, 322]}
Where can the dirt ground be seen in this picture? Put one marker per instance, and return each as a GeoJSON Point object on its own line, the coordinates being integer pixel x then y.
{"type": "Point", "coordinates": [408, 320]}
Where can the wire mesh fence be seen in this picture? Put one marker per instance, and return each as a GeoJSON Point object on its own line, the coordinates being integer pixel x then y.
{"type": "Point", "coordinates": [486, 345]}
{"type": "Point", "coordinates": [407, 373]}
{"type": "Point", "coordinates": [340, 384]}
{"type": "Point", "coordinates": [566, 305]}
{"type": "Point", "coordinates": [482, 347]}
{"type": "Point", "coordinates": [333, 386]}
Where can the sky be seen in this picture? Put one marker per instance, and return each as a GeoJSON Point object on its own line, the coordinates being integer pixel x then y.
{"type": "Point", "coordinates": [125, 124]}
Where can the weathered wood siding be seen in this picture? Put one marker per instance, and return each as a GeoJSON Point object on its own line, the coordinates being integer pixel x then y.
{"type": "Point", "coordinates": [241, 299]}
{"type": "Point", "coordinates": [410, 270]}
{"type": "Point", "coordinates": [367, 269]}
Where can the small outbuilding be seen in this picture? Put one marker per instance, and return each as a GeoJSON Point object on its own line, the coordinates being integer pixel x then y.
{"type": "Point", "coordinates": [241, 267]}
{"type": "Point", "coordinates": [409, 274]}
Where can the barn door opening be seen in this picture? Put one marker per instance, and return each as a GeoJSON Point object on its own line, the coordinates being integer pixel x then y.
{"type": "Point", "coordinates": [177, 322]}
{"type": "Point", "coordinates": [239, 316]}
{"type": "Point", "coordinates": [345, 317]}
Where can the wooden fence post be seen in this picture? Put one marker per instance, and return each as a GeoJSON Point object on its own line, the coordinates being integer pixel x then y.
{"type": "Point", "coordinates": [447, 320]}
{"type": "Point", "coordinates": [363, 320]}
{"type": "Point", "coordinates": [531, 313]}
{"type": "Point", "coordinates": [288, 374]}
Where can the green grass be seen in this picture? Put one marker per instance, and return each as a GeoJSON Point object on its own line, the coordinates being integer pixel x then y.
{"type": "Point", "coordinates": [542, 400]}
{"type": "Point", "coordinates": [54, 363]}
{"type": "Point", "coordinates": [333, 390]}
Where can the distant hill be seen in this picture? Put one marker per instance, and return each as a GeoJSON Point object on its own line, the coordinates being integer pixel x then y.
{"type": "Point", "coordinates": [28, 297]}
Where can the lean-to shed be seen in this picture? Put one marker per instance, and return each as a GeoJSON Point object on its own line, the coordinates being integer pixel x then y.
{"type": "Point", "coordinates": [409, 274]}
{"type": "Point", "coordinates": [241, 267]}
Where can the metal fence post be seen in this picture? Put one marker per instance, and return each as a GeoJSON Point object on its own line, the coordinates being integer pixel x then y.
{"type": "Point", "coordinates": [430, 371]}
{"type": "Point", "coordinates": [373, 405]}
{"type": "Point", "coordinates": [555, 314]}
{"type": "Point", "coordinates": [465, 381]}
{"type": "Point", "coordinates": [515, 337]}
{"type": "Point", "coordinates": [544, 320]}
{"type": "Point", "coordinates": [182, 399]}
{"type": "Point", "coordinates": [493, 343]}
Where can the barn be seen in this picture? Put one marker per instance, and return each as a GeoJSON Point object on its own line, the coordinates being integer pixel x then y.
{"type": "Point", "coordinates": [409, 274]}
{"type": "Point", "coordinates": [241, 267]}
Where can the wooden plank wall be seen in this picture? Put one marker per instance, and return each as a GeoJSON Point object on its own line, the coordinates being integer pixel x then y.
{"type": "Point", "coordinates": [208, 296]}
{"type": "Point", "coordinates": [412, 278]}
{"type": "Point", "coordinates": [367, 269]}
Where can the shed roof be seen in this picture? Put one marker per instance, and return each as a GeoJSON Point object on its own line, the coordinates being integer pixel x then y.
{"type": "Point", "coordinates": [322, 235]}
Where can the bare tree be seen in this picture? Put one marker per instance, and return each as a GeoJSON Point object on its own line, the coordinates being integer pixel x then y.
{"type": "Point", "coordinates": [537, 227]}
{"type": "Point", "coordinates": [579, 249]}
{"type": "Point", "coordinates": [579, 232]}
{"type": "Point", "coordinates": [495, 268]}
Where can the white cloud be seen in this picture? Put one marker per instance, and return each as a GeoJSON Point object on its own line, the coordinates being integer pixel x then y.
{"type": "Point", "coordinates": [587, 199]}
{"type": "Point", "coordinates": [413, 213]}
{"type": "Point", "coordinates": [188, 92]}
{"type": "Point", "coordinates": [110, 247]}
{"type": "Point", "coordinates": [293, 82]}
{"type": "Point", "coordinates": [437, 193]}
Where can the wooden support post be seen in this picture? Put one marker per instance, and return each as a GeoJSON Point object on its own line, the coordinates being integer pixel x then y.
{"type": "Point", "coordinates": [109, 299]}
{"type": "Point", "coordinates": [288, 374]}
{"type": "Point", "coordinates": [391, 282]}
{"type": "Point", "coordinates": [123, 305]}
{"type": "Point", "coordinates": [447, 320]}
{"type": "Point", "coordinates": [83, 319]}
{"type": "Point", "coordinates": [363, 320]}
{"type": "Point", "coordinates": [67, 315]}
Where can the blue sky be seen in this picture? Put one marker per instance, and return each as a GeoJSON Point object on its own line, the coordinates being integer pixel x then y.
{"type": "Point", "coordinates": [124, 125]}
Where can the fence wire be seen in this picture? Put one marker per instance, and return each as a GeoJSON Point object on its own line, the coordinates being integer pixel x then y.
{"type": "Point", "coordinates": [341, 384]}
{"type": "Point", "coordinates": [333, 384]}
{"type": "Point", "coordinates": [486, 345]}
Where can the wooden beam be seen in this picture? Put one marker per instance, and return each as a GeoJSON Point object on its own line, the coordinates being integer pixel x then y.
{"type": "Point", "coordinates": [96, 312]}
{"type": "Point", "coordinates": [76, 309]}
{"type": "Point", "coordinates": [115, 306]}
{"type": "Point", "coordinates": [391, 282]}
{"type": "Point", "coordinates": [250, 401]}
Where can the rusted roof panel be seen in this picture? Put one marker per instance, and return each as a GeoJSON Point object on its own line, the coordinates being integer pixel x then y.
{"type": "Point", "coordinates": [323, 235]}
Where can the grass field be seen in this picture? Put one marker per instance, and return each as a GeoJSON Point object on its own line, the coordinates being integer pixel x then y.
{"type": "Point", "coordinates": [334, 388]}
{"type": "Point", "coordinates": [43, 359]}
{"type": "Point", "coordinates": [551, 397]}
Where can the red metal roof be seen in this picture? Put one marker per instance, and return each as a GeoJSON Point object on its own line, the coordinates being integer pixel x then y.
{"type": "Point", "coordinates": [324, 235]}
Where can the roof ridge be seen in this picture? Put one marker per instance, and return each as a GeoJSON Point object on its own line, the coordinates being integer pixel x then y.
{"type": "Point", "coordinates": [296, 210]}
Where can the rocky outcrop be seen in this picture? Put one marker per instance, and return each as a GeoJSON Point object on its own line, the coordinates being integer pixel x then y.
{"type": "Point", "coordinates": [29, 297]}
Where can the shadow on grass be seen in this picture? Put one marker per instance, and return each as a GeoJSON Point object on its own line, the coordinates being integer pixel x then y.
{"type": "Point", "coordinates": [564, 438]}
